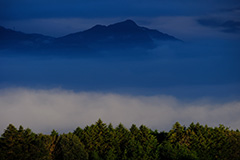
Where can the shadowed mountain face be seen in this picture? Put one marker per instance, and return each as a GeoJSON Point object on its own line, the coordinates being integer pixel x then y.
{"type": "Point", "coordinates": [125, 34]}
{"type": "Point", "coordinates": [122, 35]}
{"type": "Point", "coordinates": [18, 40]}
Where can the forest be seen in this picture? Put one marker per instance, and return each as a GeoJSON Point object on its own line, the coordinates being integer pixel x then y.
{"type": "Point", "coordinates": [101, 141]}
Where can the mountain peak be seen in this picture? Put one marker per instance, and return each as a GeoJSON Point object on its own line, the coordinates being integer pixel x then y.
{"type": "Point", "coordinates": [124, 24]}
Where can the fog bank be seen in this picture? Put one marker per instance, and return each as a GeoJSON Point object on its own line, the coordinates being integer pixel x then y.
{"type": "Point", "coordinates": [64, 110]}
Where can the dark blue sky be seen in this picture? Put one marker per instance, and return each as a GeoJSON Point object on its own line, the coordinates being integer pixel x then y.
{"type": "Point", "coordinates": [27, 9]}
{"type": "Point", "coordinates": [184, 18]}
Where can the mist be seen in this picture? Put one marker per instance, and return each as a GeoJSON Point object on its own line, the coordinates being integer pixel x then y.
{"type": "Point", "coordinates": [64, 110]}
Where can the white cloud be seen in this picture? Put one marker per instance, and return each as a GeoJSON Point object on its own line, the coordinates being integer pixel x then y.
{"type": "Point", "coordinates": [44, 110]}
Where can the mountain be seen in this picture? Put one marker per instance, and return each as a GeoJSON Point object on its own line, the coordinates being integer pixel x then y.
{"type": "Point", "coordinates": [126, 34]}
{"type": "Point", "coordinates": [118, 36]}
{"type": "Point", "coordinates": [19, 40]}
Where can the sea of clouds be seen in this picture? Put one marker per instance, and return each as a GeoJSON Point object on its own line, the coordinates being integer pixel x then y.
{"type": "Point", "coordinates": [64, 110]}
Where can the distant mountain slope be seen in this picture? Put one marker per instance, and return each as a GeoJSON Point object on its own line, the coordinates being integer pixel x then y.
{"type": "Point", "coordinates": [122, 35]}
{"type": "Point", "coordinates": [19, 40]}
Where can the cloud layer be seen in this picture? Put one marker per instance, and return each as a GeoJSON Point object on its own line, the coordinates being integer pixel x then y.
{"type": "Point", "coordinates": [44, 110]}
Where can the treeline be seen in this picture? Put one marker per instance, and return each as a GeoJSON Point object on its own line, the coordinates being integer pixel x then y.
{"type": "Point", "coordinates": [104, 142]}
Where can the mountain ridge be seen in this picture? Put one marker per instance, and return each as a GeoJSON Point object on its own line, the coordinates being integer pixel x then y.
{"type": "Point", "coordinates": [122, 35]}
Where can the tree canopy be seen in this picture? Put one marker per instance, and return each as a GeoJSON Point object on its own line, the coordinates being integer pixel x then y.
{"type": "Point", "coordinates": [101, 141]}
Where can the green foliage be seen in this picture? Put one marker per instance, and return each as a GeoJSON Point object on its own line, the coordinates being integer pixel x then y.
{"type": "Point", "coordinates": [54, 133]}
{"type": "Point", "coordinates": [22, 144]}
{"type": "Point", "coordinates": [104, 142]}
{"type": "Point", "coordinates": [70, 147]}
{"type": "Point", "coordinates": [170, 151]}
